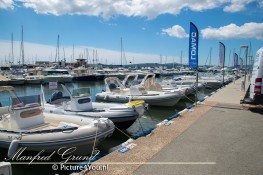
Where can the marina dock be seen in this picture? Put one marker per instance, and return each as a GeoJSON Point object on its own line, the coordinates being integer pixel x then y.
{"type": "Point", "coordinates": [218, 136]}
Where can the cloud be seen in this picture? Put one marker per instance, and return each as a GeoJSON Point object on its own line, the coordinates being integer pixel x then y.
{"type": "Point", "coordinates": [5, 4]}
{"type": "Point", "coordinates": [175, 31]}
{"type": "Point", "coordinates": [237, 5]}
{"type": "Point", "coordinates": [232, 31]}
{"type": "Point", "coordinates": [260, 3]}
{"type": "Point", "coordinates": [142, 8]}
{"type": "Point", "coordinates": [34, 51]}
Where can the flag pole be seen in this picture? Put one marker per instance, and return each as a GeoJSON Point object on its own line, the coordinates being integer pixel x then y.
{"type": "Point", "coordinates": [222, 52]}
{"type": "Point", "coordinates": [193, 53]}
{"type": "Point", "coordinates": [196, 99]}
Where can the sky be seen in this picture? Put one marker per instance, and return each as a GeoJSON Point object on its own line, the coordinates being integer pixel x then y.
{"type": "Point", "coordinates": [144, 31]}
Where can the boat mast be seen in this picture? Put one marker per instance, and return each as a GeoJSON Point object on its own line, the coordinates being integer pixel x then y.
{"type": "Point", "coordinates": [12, 51]}
{"type": "Point", "coordinates": [210, 56]}
{"type": "Point", "coordinates": [57, 53]}
{"type": "Point", "coordinates": [121, 51]}
{"type": "Point", "coordinates": [22, 48]}
{"type": "Point", "coordinates": [73, 53]}
{"type": "Point", "coordinates": [181, 58]}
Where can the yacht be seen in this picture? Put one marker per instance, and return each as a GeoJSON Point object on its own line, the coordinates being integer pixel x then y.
{"type": "Point", "coordinates": [57, 75]}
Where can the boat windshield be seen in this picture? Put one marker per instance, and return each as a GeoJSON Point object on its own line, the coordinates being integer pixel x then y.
{"type": "Point", "coordinates": [54, 72]}
{"type": "Point", "coordinates": [26, 100]}
{"type": "Point", "coordinates": [81, 92]}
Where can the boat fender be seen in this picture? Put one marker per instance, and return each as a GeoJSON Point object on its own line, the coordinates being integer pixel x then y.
{"type": "Point", "coordinates": [13, 148]}
{"type": "Point", "coordinates": [185, 110]}
{"type": "Point", "coordinates": [129, 141]}
{"type": "Point", "coordinates": [173, 116]}
{"type": "Point", "coordinates": [201, 100]}
{"type": "Point", "coordinates": [144, 133]}
{"type": "Point", "coordinates": [191, 106]}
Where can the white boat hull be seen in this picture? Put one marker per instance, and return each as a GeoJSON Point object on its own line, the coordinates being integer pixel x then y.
{"type": "Point", "coordinates": [74, 132]}
{"type": "Point", "coordinates": [122, 116]}
{"type": "Point", "coordinates": [166, 99]}
{"type": "Point", "coordinates": [57, 79]}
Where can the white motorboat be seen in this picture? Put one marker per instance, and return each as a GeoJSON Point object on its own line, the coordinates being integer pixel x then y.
{"type": "Point", "coordinates": [188, 89]}
{"type": "Point", "coordinates": [14, 80]}
{"type": "Point", "coordinates": [57, 75]}
{"type": "Point", "coordinates": [25, 125]}
{"type": "Point", "coordinates": [209, 82]}
{"type": "Point", "coordinates": [34, 79]}
{"type": "Point", "coordinates": [149, 83]}
{"type": "Point", "coordinates": [117, 92]}
{"type": "Point", "coordinates": [80, 103]}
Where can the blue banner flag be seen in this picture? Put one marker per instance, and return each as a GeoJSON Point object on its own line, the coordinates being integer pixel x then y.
{"type": "Point", "coordinates": [193, 46]}
{"type": "Point", "coordinates": [235, 60]}
{"type": "Point", "coordinates": [221, 54]}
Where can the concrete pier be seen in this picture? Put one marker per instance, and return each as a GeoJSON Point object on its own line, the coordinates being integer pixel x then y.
{"type": "Point", "coordinates": [218, 136]}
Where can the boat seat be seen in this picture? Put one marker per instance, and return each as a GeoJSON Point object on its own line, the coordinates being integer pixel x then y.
{"type": "Point", "coordinates": [41, 127]}
{"type": "Point", "coordinates": [59, 94]}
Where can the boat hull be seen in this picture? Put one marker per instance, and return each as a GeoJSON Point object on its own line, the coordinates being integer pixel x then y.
{"type": "Point", "coordinates": [16, 82]}
{"type": "Point", "coordinates": [84, 78]}
{"type": "Point", "coordinates": [3, 82]}
{"type": "Point", "coordinates": [57, 79]}
{"type": "Point", "coordinates": [33, 81]}
{"type": "Point", "coordinates": [76, 133]}
{"type": "Point", "coordinates": [122, 117]}
{"type": "Point", "coordinates": [168, 99]}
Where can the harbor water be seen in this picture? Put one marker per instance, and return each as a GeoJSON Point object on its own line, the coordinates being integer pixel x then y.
{"type": "Point", "coordinates": [148, 121]}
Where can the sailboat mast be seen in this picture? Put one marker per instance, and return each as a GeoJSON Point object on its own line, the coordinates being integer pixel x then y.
{"type": "Point", "coordinates": [181, 58]}
{"type": "Point", "coordinates": [57, 56]}
{"type": "Point", "coordinates": [57, 51]}
{"type": "Point", "coordinates": [12, 52]}
{"type": "Point", "coordinates": [22, 48]}
{"type": "Point", "coordinates": [73, 54]}
{"type": "Point", "coordinates": [121, 51]}
{"type": "Point", "coordinates": [210, 56]}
